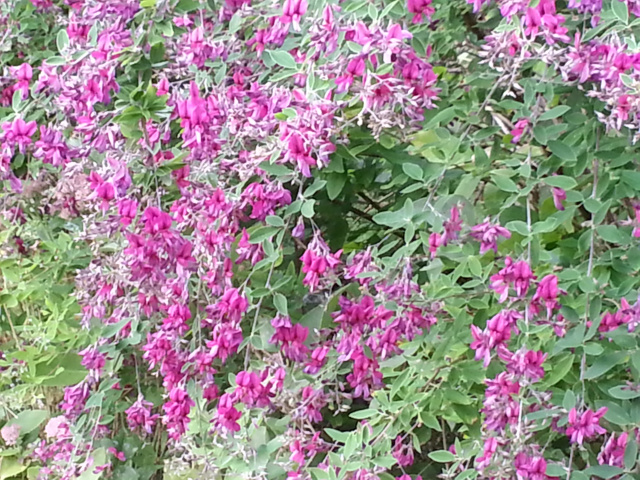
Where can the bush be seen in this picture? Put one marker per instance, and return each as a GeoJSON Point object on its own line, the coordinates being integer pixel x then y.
{"type": "Point", "coordinates": [309, 240]}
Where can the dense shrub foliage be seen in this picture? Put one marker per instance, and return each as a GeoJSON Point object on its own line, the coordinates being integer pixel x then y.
{"type": "Point", "coordinates": [362, 240]}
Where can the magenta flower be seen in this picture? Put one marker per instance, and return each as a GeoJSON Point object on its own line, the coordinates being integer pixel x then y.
{"type": "Point", "coordinates": [519, 129]}
{"type": "Point", "coordinates": [546, 293]}
{"type": "Point", "coordinates": [612, 452]}
{"type": "Point", "coordinates": [227, 415]}
{"type": "Point", "coordinates": [451, 227]}
{"type": "Point", "coordinates": [318, 262]}
{"type": "Point", "coordinates": [19, 133]}
{"type": "Point", "coordinates": [402, 452]}
{"type": "Point", "coordinates": [531, 467]}
{"type": "Point", "coordinates": [490, 447]}
{"type": "Point", "coordinates": [496, 334]}
{"type": "Point", "coordinates": [314, 401]}
{"type": "Point", "coordinates": [139, 415]}
{"type": "Point", "coordinates": [292, 12]}
{"type": "Point", "coordinates": [51, 147]}
{"type": "Point", "coordinates": [177, 410]}
{"type": "Point", "coordinates": [290, 338]}
{"type": "Point", "coordinates": [524, 363]}
{"type": "Point", "coordinates": [298, 230]}
{"type": "Point", "coordinates": [24, 74]}
{"type": "Point", "coordinates": [420, 8]}
{"type": "Point", "coordinates": [518, 275]}
{"type": "Point", "coordinates": [435, 240]}
{"type": "Point", "coordinates": [163, 87]}
{"type": "Point", "coordinates": [584, 426]}
{"type": "Point", "coordinates": [501, 407]}
{"type": "Point", "coordinates": [317, 361]}
{"type": "Point", "coordinates": [487, 234]}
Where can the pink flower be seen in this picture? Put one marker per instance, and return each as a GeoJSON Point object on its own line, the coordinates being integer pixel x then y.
{"type": "Point", "coordinates": [10, 434]}
{"type": "Point", "coordinates": [420, 8]}
{"type": "Point", "coordinates": [119, 455]}
{"type": "Point", "coordinates": [290, 338]}
{"type": "Point", "coordinates": [612, 452]}
{"type": "Point", "coordinates": [292, 12]}
{"type": "Point", "coordinates": [163, 87]}
{"type": "Point", "coordinates": [518, 129]}
{"type": "Point", "coordinates": [530, 468]}
{"type": "Point", "coordinates": [524, 363]}
{"type": "Point", "coordinates": [177, 412]}
{"type": "Point", "coordinates": [501, 408]}
{"type": "Point", "coordinates": [355, 68]}
{"type": "Point", "coordinates": [402, 452]}
{"type": "Point", "coordinates": [435, 241]}
{"type": "Point", "coordinates": [584, 426]}
{"type": "Point", "coordinates": [559, 196]}
{"type": "Point", "coordinates": [518, 275]}
{"type": "Point", "coordinates": [127, 209]}
{"type": "Point", "coordinates": [497, 333]}
{"type": "Point", "coordinates": [487, 234]}
{"type": "Point", "coordinates": [490, 447]}
{"type": "Point", "coordinates": [227, 415]}
{"type": "Point", "coordinates": [24, 74]}
{"type": "Point", "coordinates": [546, 293]}
{"type": "Point", "coordinates": [318, 262]}
{"type": "Point", "coordinates": [247, 250]}
{"type": "Point", "coordinates": [451, 227]}
{"type": "Point", "coordinates": [19, 132]}
{"type": "Point", "coordinates": [298, 230]}
{"type": "Point", "coordinates": [139, 415]}
{"type": "Point", "coordinates": [318, 359]}
{"type": "Point", "coordinates": [56, 427]}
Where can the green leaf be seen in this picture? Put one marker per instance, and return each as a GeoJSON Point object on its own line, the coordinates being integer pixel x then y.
{"type": "Point", "coordinates": [630, 453]}
{"type": "Point", "coordinates": [314, 187]}
{"type": "Point", "coordinates": [603, 364]}
{"type": "Point", "coordinates": [562, 150]}
{"type": "Point", "coordinates": [234, 23]}
{"type": "Point", "coordinates": [604, 471]}
{"type": "Point", "coordinates": [362, 414]}
{"type": "Point", "coordinates": [559, 371]}
{"type": "Point", "coordinates": [518, 226]}
{"type": "Point", "coordinates": [335, 184]}
{"type": "Point", "coordinates": [275, 169]}
{"type": "Point", "coordinates": [569, 400]}
{"type": "Point", "coordinates": [561, 181]}
{"type": "Point", "coordinates": [555, 112]}
{"type": "Point", "coordinates": [8, 300]}
{"type": "Point", "coordinates": [475, 267]}
{"type": "Point", "coordinates": [620, 10]}
{"type": "Point", "coordinates": [467, 474]}
{"type": "Point", "coordinates": [29, 420]}
{"type": "Point", "coordinates": [283, 58]}
{"type": "Point", "coordinates": [56, 61]}
{"type": "Point", "coordinates": [504, 183]}
{"type": "Point", "coordinates": [262, 233]}
{"type": "Point", "coordinates": [611, 234]}
{"type": "Point", "coordinates": [280, 302]}
{"type": "Point", "coordinates": [622, 392]}
{"type": "Point", "coordinates": [616, 414]}
{"type": "Point", "coordinates": [313, 319]}
{"type": "Point", "coordinates": [62, 40]}
{"type": "Point", "coordinates": [307, 208]}
{"type": "Point", "coordinates": [555, 470]}
{"type": "Point", "coordinates": [412, 171]}
{"type": "Point", "coordinates": [442, 456]}
{"type": "Point", "coordinates": [16, 101]}
{"type": "Point", "coordinates": [274, 221]}
{"type": "Point", "coordinates": [10, 467]}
